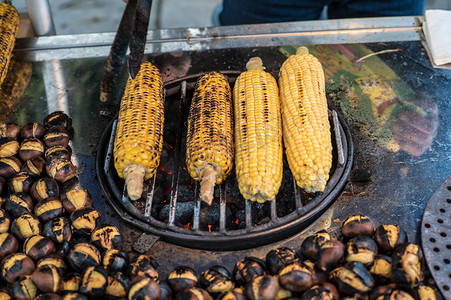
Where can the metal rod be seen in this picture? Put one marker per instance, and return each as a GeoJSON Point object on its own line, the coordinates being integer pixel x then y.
{"type": "Point", "coordinates": [222, 208]}
{"type": "Point", "coordinates": [109, 153]}
{"type": "Point", "coordinates": [40, 17]}
{"type": "Point", "coordinates": [273, 206]}
{"type": "Point", "coordinates": [248, 214]}
{"type": "Point", "coordinates": [55, 86]}
{"type": "Point", "coordinates": [338, 138]}
{"type": "Point", "coordinates": [197, 204]}
{"type": "Point", "coordinates": [149, 197]}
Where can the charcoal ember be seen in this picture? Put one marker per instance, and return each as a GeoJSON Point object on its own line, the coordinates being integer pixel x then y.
{"type": "Point", "coordinates": [164, 180]}
{"type": "Point", "coordinates": [183, 213]}
{"type": "Point", "coordinates": [209, 214]}
{"type": "Point", "coordinates": [241, 217]}
{"type": "Point", "coordinates": [185, 193]}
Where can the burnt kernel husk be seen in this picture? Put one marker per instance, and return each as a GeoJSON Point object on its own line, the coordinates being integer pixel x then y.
{"type": "Point", "coordinates": [9, 166]}
{"type": "Point", "coordinates": [277, 258]}
{"type": "Point", "coordinates": [361, 248]}
{"type": "Point", "coordinates": [21, 182]}
{"type": "Point", "coordinates": [357, 225]}
{"type": "Point", "coordinates": [16, 265]}
{"type": "Point", "coordinates": [262, 287]}
{"type": "Point", "coordinates": [48, 209]}
{"type": "Point", "coordinates": [106, 236]}
{"type": "Point", "coordinates": [47, 278]}
{"type": "Point", "coordinates": [354, 278]}
{"type": "Point", "coordinates": [32, 130]}
{"type": "Point", "coordinates": [58, 118]}
{"type": "Point", "coordinates": [142, 287]}
{"type": "Point", "coordinates": [312, 244]}
{"type": "Point", "coordinates": [71, 282]}
{"type": "Point", "coordinates": [56, 136]}
{"type": "Point", "coordinates": [24, 288]}
{"type": "Point", "coordinates": [8, 147]}
{"type": "Point", "coordinates": [61, 170]}
{"type": "Point", "coordinates": [25, 226]}
{"type": "Point", "coordinates": [321, 291]}
{"type": "Point", "coordinates": [8, 244]}
{"type": "Point", "coordinates": [75, 199]}
{"type": "Point", "coordinates": [216, 279]}
{"type": "Point", "coordinates": [43, 188]}
{"type": "Point", "coordinates": [408, 265]}
{"type": "Point", "coordinates": [114, 260]}
{"type": "Point", "coordinates": [57, 152]}
{"type": "Point", "coordinates": [33, 167]}
{"type": "Point", "coordinates": [58, 230]}
{"type": "Point", "coordinates": [296, 277]}
{"type": "Point", "coordinates": [85, 218]}
{"type": "Point", "coordinates": [388, 237]}
{"type": "Point", "coordinates": [38, 246]}
{"type": "Point", "coordinates": [5, 221]}
{"type": "Point", "coordinates": [18, 204]}
{"type": "Point", "coordinates": [248, 268]}
{"type": "Point", "coordinates": [83, 255]}
{"type": "Point", "coordinates": [330, 254]}
{"type": "Point", "coordinates": [118, 285]}
{"type": "Point", "coordinates": [182, 278]}
{"type": "Point", "coordinates": [94, 281]}
{"type": "Point", "coordinates": [31, 148]}
{"type": "Point", "coordinates": [143, 265]}
{"type": "Point", "coordinates": [54, 260]}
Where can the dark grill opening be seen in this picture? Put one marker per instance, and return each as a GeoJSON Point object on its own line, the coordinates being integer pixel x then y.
{"type": "Point", "coordinates": [173, 211]}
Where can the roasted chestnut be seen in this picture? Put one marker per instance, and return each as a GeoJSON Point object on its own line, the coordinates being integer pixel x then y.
{"type": "Point", "coordinates": [194, 293]}
{"type": "Point", "coordinates": [399, 294]}
{"type": "Point", "coordinates": [58, 118]}
{"type": "Point", "coordinates": [5, 221]}
{"type": "Point", "coordinates": [330, 254]}
{"type": "Point", "coordinates": [71, 282]}
{"type": "Point", "coordinates": [83, 255]}
{"type": "Point", "coordinates": [9, 166]}
{"type": "Point", "coordinates": [10, 129]}
{"type": "Point", "coordinates": [61, 170]}
{"type": "Point", "coordinates": [216, 279]}
{"type": "Point", "coordinates": [57, 152]}
{"type": "Point", "coordinates": [94, 281]}
{"type": "Point", "coordinates": [31, 148]}
{"type": "Point", "coordinates": [44, 188]}
{"type": "Point", "coordinates": [54, 260]}
{"type": "Point", "coordinates": [8, 244]}
{"type": "Point", "coordinates": [2, 185]}
{"type": "Point", "coordinates": [311, 245]}
{"type": "Point", "coordinates": [143, 287]}
{"type": "Point", "coordinates": [143, 265]}
{"type": "Point", "coordinates": [56, 136]}
{"type": "Point", "coordinates": [58, 230]}
{"type": "Point", "coordinates": [32, 130]}
{"type": "Point", "coordinates": [182, 278]}
{"type": "Point", "coordinates": [18, 204]}
{"type": "Point", "coordinates": [235, 294]}
{"type": "Point", "coordinates": [114, 260]}
{"type": "Point", "coordinates": [47, 296]}
{"type": "Point", "coordinates": [248, 268]}
{"type": "Point", "coordinates": [34, 167]}
{"type": "Point", "coordinates": [262, 287]}
{"type": "Point", "coordinates": [106, 237]}
{"type": "Point", "coordinates": [354, 278]}
{"type": "Point", "coordinates": [38, 246]}
{"type": "Point", "coordinates": [8, 147]}
{"type": "Point", "coordinates": [47, 278]}
{"type": "Point", "coordinates": [428, 292]}
{"type": "Point", "coordinates": [381, 270]}
{"type": "Point", "coordinates": [25, 226]}
{"type": "Point", "coordinates": [75, 199]}
{"type": "Point", "coordinates": [20, 182]}
{"type": "Point", "coordinates": [6, 295]}
{"type": "Point", "coordinates": [166, 292]}
{"type": "Point", "coordinates": [85, 219]}
{"type": "Point", "coordinates": [388, 237]}
{"type": "Point", "coordinates": [381, 291]}
{"type": "Point", "coordinates": [118, 285]}
{"type": "Point", "coordinates": [48, 209]}
{"type": "Point", "coordinates": [296, 277]}
{"type": "Point", "coordinates": [361, 248]}
{"type": "Point", "coordinates": [73, 296]}
{"type": "Point", "coordinates": [15, 266]}
{"type": "Point", "coordinates": [408, 265]}
{"type": "Point", "coordinates": [357, 225]}
{"type": "Point", "coordinates": [321, 291]}
{"type": "Point", "coordinates": [276, 259]}
{"type": "Point", "coordinates": [24, 288]}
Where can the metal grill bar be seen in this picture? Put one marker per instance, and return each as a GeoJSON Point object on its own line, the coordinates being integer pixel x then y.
{"type": "Point", "coordinates": [222, 209]}
{"type": "Point", "coordinates": [338, 137]}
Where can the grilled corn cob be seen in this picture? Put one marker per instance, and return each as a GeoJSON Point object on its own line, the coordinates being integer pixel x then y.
{"type": "Point", "coordinates": [9, 27]}
{"type": "Point", "coordinates": [258, 133]}
{"type": "Point", "coordinates": [306, 128]}
{"type": "Point", "coordinates": [209, 150]}
{"type": "Point", "coordinates": [139, 135]}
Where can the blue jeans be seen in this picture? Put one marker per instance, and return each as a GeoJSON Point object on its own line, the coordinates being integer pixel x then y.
{"type": "Point", "coordinates": [267, 11]}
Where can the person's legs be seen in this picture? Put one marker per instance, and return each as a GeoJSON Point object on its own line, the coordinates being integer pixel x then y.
{"type": "Point", "coordinates": [266, 11]}
{"type": "Point", "coordinates": [374, 8]}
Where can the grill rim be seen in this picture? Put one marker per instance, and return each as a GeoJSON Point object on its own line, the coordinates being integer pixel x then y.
{"type": "Point", "coordinates": [240, 238]}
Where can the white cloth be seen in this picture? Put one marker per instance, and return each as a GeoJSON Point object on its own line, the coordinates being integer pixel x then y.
{"type": "Point", "coordinates": [437, 31]}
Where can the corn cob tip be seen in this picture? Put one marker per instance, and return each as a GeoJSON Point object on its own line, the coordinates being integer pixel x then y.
{"type": "Point", "coordinates": [255, 63]}
{"type": "Point", "coordinates": [207, 184]}
{"type": "Point", "coordinates": [134, 178]}
{"type": "Point", "coordinates": [302, 50]}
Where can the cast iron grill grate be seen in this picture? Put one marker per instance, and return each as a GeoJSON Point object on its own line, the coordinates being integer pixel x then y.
{"type": "Point", "coordinates": [252, 225]}
{"type": "Point", "coordinates": [436, 236]}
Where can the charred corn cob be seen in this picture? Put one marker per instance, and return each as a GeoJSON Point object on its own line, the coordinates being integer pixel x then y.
{"type": "Point", "coordinates": [9, 27]}
{"type": "Point", "coordinates": [209, 150]}
{"type": "Point", "coordinates": [258, 133]}
{"type": "Point", "coordinates": [305, 123]}
{"type": "Point", "coordinates": [139, 135]}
